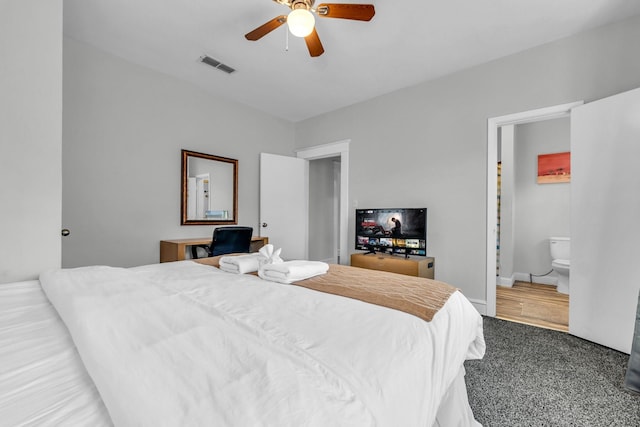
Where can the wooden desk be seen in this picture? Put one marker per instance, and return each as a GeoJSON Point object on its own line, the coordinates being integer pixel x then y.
{"type": "Point", "coordinates": [174, 250]}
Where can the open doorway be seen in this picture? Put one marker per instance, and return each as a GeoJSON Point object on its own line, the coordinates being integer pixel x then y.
{"type": "Point", "coordinates": [324, 210]}
{"type": "Point", "coordinates": [531, 210]}
{"type": "Point", "coordinates": [494, 125]}
{"type": "Point", "coordinates": [329, 181]}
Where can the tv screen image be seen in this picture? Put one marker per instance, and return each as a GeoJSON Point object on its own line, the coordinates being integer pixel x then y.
{"type": "Point", "coordinates": [399, 230]}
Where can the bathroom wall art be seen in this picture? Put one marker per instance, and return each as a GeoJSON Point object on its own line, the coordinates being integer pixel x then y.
{"type": "Point", "coordinates": [554, 168]}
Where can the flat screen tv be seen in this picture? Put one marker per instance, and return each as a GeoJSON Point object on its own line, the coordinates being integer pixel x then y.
{"type": "Point", "coordinates": [394, 231]}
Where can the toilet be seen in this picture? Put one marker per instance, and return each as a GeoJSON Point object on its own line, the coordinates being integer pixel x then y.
{"type": "Point", "coordinates": [560, 248]}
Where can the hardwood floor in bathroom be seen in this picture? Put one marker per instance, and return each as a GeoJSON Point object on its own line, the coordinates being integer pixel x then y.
{"type": "Point", "coordinates": [533, 304]}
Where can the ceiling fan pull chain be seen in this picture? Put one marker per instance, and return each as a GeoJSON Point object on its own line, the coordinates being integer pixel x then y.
{"type": "Point", "coordinates": [286, 41]}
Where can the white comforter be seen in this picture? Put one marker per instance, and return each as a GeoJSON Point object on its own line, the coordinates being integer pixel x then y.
{"type": "Point", "coordinates": [181, 344]}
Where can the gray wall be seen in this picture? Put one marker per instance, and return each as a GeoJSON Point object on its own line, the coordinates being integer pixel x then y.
{"type": "Point", "coordinates": [431, 138]}
{"type": "Point", "coordinates": [541, 210]}
{"type": "Point", "coordinates": [123, 129]}
{"type": "Point", "coordinates": [30, 137]}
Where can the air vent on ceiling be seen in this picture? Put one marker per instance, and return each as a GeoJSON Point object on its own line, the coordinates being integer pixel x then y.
{"type": "Point", "coordinates": [216, 64]}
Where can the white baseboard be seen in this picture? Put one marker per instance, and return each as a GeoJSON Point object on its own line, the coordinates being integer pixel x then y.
{"type": "Point", "coordinates": [480, 305]}
{"type": "Point", "coordinates": [505, 281]}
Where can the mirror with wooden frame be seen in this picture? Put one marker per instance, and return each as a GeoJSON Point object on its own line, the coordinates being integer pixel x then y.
{"type": "Point", "coordinates": [209, 189]}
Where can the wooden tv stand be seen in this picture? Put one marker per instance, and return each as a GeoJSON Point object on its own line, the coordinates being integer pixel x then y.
{"type": "Point", "coordinates": [414, 266]}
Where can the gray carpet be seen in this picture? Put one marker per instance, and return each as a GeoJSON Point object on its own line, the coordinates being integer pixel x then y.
{"type": "Point", "coordinates": [538, 377]}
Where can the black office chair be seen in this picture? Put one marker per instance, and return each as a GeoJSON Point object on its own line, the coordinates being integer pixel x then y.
{"type": "Point", "coordinates": [226, 240]}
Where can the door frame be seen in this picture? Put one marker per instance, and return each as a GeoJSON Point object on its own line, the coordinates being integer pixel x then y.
{"type": "Point", "coordinates": [493, 125]}
{"type": "Point", "coordinates": [336, 210]}
{"type": "Point", "coordinates": [335, 149]}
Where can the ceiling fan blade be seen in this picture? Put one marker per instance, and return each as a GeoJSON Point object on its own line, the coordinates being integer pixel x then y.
{"type": "Point", "coordinates": [265, 29]}
{"type": "Point", "coordinates": [313, 44]}
{"type": "Point", "coordinates": [359, 12]}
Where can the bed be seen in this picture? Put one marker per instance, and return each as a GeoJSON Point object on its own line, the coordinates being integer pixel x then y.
{"type": "Point", "coordinates": [186, 344]}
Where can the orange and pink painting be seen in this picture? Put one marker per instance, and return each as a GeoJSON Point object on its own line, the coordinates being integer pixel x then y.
{"type": "Point", "coordinates": [554, 168]}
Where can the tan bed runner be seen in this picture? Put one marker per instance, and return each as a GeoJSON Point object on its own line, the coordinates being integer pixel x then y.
{"type": "Point", "coordinates": [414, 295]}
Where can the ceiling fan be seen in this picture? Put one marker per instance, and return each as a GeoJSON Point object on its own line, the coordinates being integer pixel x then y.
{"type": "Point", "coordinates": [302, 22]}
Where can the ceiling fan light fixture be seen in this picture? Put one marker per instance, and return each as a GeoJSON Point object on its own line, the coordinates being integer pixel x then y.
{"type": "Point", "coordinates": [301, 22]}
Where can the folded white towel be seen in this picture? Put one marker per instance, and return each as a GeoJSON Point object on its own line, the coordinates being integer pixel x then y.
{"type": "Point", "coordinates": [240, 264]}
{"type": "Point", "coordinates": [268, 255]}
{"type": "Point", "coordinates": [292, 271]}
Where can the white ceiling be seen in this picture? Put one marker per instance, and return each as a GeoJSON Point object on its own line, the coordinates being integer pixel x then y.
{"type": "Point", "coordinates": [406, 42]}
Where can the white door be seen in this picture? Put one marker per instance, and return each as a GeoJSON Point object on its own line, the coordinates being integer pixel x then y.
{"type": "Point", "coordinates": [605, 220]}
{"type": "Point", "coordinates": [284, 204]}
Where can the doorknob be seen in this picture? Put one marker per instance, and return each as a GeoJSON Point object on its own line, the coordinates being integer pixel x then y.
{"type": "Point", "coordinates": [264, 224]}
{"type": "Point", "coordinates": [65, 232]}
